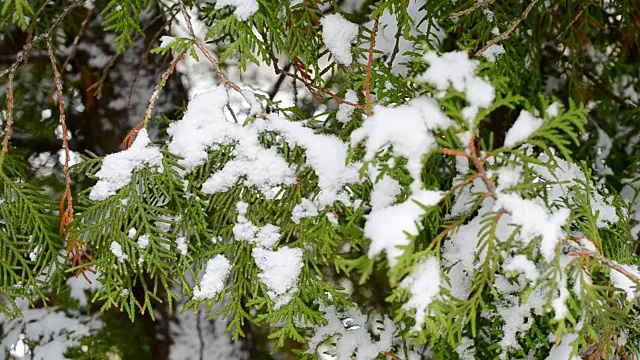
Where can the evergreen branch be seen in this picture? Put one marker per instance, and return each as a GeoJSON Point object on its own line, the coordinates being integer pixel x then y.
{"type": "Point", "coordinates": [509, 30]}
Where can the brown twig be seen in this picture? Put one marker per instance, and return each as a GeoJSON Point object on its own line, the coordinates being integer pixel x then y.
{"type": "Point", "coordinates": [604, 260]}
{"type": "Point", "coordinates": [8, 128]}
{"type": "Point", "coordinates": [367, 80]}
{"type": "Point", "coordinates": [128, 140]}
{"type": "Point", "coordinates": [473, 8]}
{"type": "Point", "coordinates": [477, 161]}
{"type": "Point", "coordinates": [509, 30]}
{"type": "Point", "coordinates": [391, 355]}
{"type": "Point", "coordinates": [76, 40]}
{"type": "Point", "coordinates": [74, 247]}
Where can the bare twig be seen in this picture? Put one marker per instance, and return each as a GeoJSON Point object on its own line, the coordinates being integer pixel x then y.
{"type": "Point", "coordinates": [74, 246]}
{"type": "Point", "coordinates": [8, 128]}
{"type": "Point", "coordinates": [128, 140]}
{"type": "Point", "coordinates": [473, 8]}
{"type": "Point", "coordinates": [396, 48]}
{"type": "Point", "coordinates": [509, 30]}
{"type": "Point", "coordinates": [29, 45]}
{"type": "Point", "coordinates": [76, 40]}
{"type": "Point", "coordinates": [367, 80]}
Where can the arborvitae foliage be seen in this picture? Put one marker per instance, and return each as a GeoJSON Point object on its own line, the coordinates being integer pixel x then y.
{"type": "Point", "coordinates": [361, 179]}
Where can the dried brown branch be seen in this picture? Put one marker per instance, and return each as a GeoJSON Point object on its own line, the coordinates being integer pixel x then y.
{"type": "Point", "coordinates": [8, 128]}
{"type": "Point", "coordinates": [367, 80]}
{"type": "Point", "coordinates": [128, 140]}
{"type": "Point", "coordinates": [76, 40]}
{"type": "Point", "coordinates": [74, 246]}
{"type": "Point", "coordinates": [509, 30]}
{"type": "Point", "coordinates": [391, 355]}
{"type": "Point", "coordinates": [473, 8]}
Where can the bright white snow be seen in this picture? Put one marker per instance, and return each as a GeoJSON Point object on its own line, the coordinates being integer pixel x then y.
{"type": "Point", "coordinates": [338, 34]}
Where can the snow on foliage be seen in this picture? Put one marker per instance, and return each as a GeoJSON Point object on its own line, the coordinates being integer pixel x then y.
{"type": "Point", "coordinates": [351, 328]}
{"type": "Point", "coordinates": [280, 272]}
{"type": "Point", "coordinates": [338, 34]}
{"type": "Point", "coordinates": [214, 278]}
{"type": "Point", "coordinates": [388, 227]}
{"type": "Point", "coordinates": [117, 168]}
{"type": "Point", "coordinates": [243, 8]}
{"type": "Point", "coordinates": [525, 125]}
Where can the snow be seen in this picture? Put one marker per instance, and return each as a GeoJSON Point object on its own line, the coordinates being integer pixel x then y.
{"type": "Point", "coordinates": [325, 154]}
{"type": "Point", "coordinates": [521, 264]}
{"type": "Point", "coordinates": [116, 249]}
{"type": "Point", "coordinates": [407, 128]}
{"type": "Point", "coordinates": [280, 271]}
{"type": "Point", "coordinates": [143, 241]}
{"type": "Point", "coordinates": [52, 330]}
{"type": "Point", "coordinates": [79, 286]}
{"type": "Point", "coordinates": [534, 220]}
{"type": "Point", "coordinates": [385, 191]}
{"type": "Point", "coordinates": [305, 209]}
{"type": "Point", "coordinates": [563, 350]}
{"type": "Point", "coordinates": [117, 168]}
{"type": "Point", "coordinates": [351, 327]}
{"type": "Point", "coordinates": [165, 41]}
{"type": "Point", "coordinates": [214, 278]}
{"type": "Point", "coordinates": [338, 34]}
{"type": "Point", "coordinates": [181, 244]}
{"type": "Point", "coordinates": [344, 111]}
{"type": "Point", "coordinates": [243, 8]}
{"type": "Point", "coordinates": [424, 288]}
{"type": "Point", "coordinates": [525, 125]}
{"type": "Point", "coordinates": [203, 125]}
{"type": "Point", "coordinates": [493, 52]}
{"type": "Point", "coordinates": [623, 282]}
{"type": "Point", "coordinates": [457, 70]}
{"type": "Point", "coordinates": [245, 230]}
{"type": "Point", "coordinates": [388, 227]}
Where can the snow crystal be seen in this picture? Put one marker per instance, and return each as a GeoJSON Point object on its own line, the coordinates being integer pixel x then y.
{"type": "Point", "coordinates": [165, 41]}
{"type": "Point", "coordinates": [384, 192]}
{"type": "Point", "coordinates": [303, 210]}
{"type": "Point", "coordinates": [424, 287]}
{"type": "Point", "coordinates": [534, 220]}
{"type": "Point", "coordinates": [521, 264]}
{"type": "Point", "coordinates": [214, 278]}
{"type": "Point", "coordinates": [333, 218]}
{"type": "Point", "coordinates": [352, 328]}
{"type": "Point", "coordinates": [243, 8]}
{"type": "Point", "coordinates": [143, 241]}
{"type": "Point", "coordinates": [563, 350]}
{"type": "Point", "coordinates": [116, 249]}
{"type": "Point", "coordinates": [117, 168]}
{"type": "Point", "coordinates": [407, 128]}
{"type": "Point", "coordinates": [386, 227]}
{"type": "Point", "coordinates": [493, 52]}
{"type": "Point", "coordinates": [280, 272]}
{"type": "Point", "coordinates": [457, 70]}
{"type": "Point", "coordinates": [623, 282]}
{"type": "Point", "coordinates": [338, 34]}
{"type": "Point", "coordinates": [326, 154]}
{"type": "Point", "coordinates": [344, 111]}
{"type": "Point", "coordinates": [466, 349]}
{"type": "Point", "coordinates": [182, 245]}
{"type": "Point", "coordinates": [132, 233]}
{"type": "Point", "coordinates": [525, 125]}
{"type": "Point", "coordinates": [267, 236]}
{"type": "Point", "coordinates": [244, 230]}
{"type": "Point", "coordinates": [203, 125]}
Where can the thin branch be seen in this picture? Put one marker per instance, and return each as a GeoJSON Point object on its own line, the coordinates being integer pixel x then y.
{"type": "Point", "coordinates": [511, 28]}
{"type": "Point", "coordinates": [74, 245]}
{"type": "Point", "coordinates": [76, 40]}
{"type": "Point", "coordinates": [128, 140]}
{"type": "Point", "coordinates": [367, 80]}
{"type": "Point", "coordinates": [24, 54]}
{"type": "Point", "coordinates": [473, 8]}
{"type": "Point", "coordinates": [8, 128]}
{"type": "Point", "coordinates": [396, 48]}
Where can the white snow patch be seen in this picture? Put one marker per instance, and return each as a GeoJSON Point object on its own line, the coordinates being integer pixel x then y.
{"type": "Point", "coordinates": [338, 34]}
{"type": "Point", "coordinates": [117, 168]}
{"type": "Point", "coordinates": [214, 278]}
